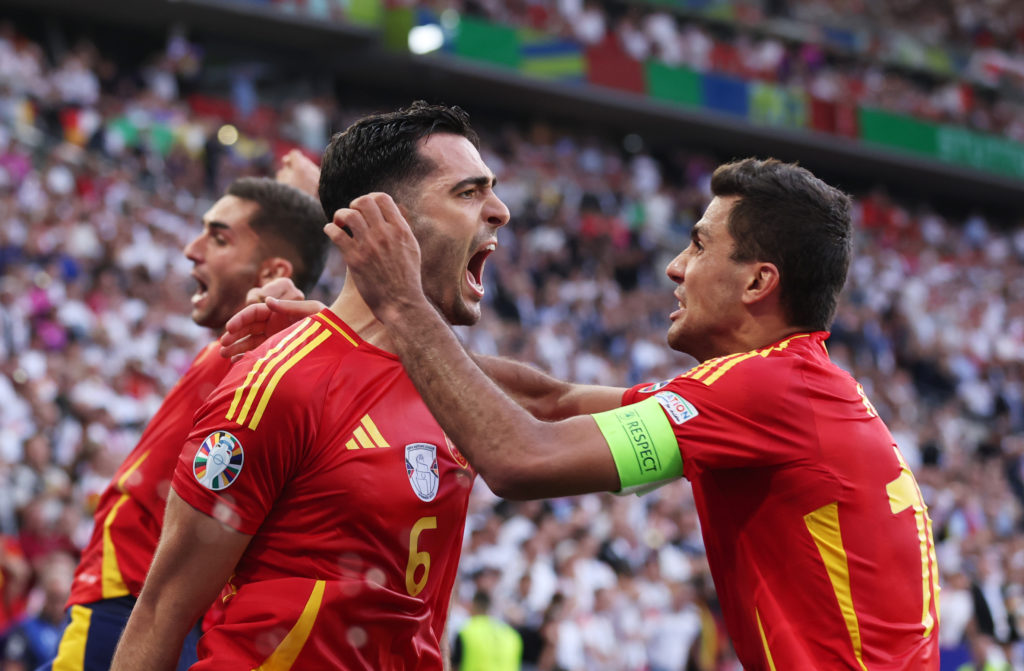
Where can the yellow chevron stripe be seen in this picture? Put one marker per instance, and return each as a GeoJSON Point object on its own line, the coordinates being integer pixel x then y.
{"type": "Point", "coordinates": [112, 584]}
{"type": "Point", "coordinates": [254, 390]}
{"type": "Point", "coordinates": [374, 432]}
{"type": "Point", "coordinates": [284, 368]}
{"type": "Point", "coordinates": [697, 372]}
{"type": "Point", "coordinates": [726, 367]}
{"type": "Point", "coordinates": [337, 328]}
{"type": "Point", "coordinates": [259, 364]}
{"type": "Point", "coordinates": [351, 444]}
{"type": "Point", "coordinates": [763, 353]}
{"type": "Point", "coordinates": [764, 641]}
{"type": "Point", "coordinates": [284, 656]}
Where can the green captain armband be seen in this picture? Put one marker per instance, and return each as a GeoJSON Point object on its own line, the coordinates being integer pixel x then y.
{"type": "Point", "coordinates": [643, 445]}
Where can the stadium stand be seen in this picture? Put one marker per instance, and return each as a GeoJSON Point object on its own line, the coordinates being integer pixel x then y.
{"type": "Point", "coordinates": [105, 166]}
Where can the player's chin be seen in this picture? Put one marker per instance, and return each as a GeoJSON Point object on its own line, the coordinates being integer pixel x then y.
{"type": "Point", "coordinates": [676, 337]}
{"type": "Point", "coordinates": [465, 312]}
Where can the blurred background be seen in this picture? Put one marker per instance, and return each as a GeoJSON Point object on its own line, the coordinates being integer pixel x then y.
{"type": "Point", "coordinates": [120, 123]}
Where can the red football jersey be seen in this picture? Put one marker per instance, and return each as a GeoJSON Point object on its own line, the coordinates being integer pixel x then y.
{"type": "Point", "coordinates": [127, 522]}
{"type": "Point", "coordinates": [818, 539]}
{"type": "Point", "coordinates": [319, 445]}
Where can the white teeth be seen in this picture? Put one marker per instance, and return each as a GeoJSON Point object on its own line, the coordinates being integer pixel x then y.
{"type": "Point", "coordinates": [491, 246]}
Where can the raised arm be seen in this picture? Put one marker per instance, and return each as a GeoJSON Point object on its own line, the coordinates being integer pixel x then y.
{"type": "Point", "coordinates": [546, 397]}
{"type": "Point", "coordinates": [299, 171]}
{"type": "Point", "coordinates": [193, 561]}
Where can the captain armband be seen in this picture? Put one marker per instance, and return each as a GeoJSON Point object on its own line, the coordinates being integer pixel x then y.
{"type": "Point", "coordinates": [643, 445]}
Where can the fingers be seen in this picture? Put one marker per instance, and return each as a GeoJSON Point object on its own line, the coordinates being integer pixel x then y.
{"type": "Point", "coordinates": [280, 287]}
{"type": "Point", "coordinates": [251, 326]}
{"type": "Point", "coordinates": [376, 211]}
{"type": "Point", "coordinates": [292, 310]}
{"type": "Point", "coordinates": [235, 350]}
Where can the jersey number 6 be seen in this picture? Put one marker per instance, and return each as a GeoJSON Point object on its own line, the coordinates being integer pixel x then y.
{"type": "Point", "coordinates": [417, 559]}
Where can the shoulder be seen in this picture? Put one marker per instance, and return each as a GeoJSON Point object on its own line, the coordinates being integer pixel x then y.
{"type": "Point", "coordinates": [287, 374]}
{"type": "Point", "coordinates": [772, 365]}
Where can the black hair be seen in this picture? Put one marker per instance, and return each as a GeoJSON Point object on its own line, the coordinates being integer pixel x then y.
{"type": "Point", "coordinates": [380, 153]}
{"type": "Point", "coordinates": [787, 216]}
{"type": "Point", "coordinates": [294, 223]}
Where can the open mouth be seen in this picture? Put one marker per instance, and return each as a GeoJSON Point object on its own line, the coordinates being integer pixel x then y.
{"type": "Point", "coordinates": [201, 290]}
{"type": "Point", "coordinates": [475, 269]}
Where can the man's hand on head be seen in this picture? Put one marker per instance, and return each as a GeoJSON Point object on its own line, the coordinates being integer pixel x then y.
{"type": "Point", "coordinates": [270, 308]}
{"type": "Point", "coordinates": [381, 253]}
{"type": "Point", "coordinates": [282, 288]}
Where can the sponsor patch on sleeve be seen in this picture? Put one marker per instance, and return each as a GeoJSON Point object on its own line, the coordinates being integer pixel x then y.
{"type": "Point", "coordinates": [218, 461]}
{"type": "Point", "coordinates": [678, 408]}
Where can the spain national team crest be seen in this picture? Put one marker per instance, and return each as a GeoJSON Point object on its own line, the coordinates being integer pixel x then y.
{"type": "Point", "coordinates": [218, 461]}
{"type": "Point", "coordinates": [456, 455]}
{"type": "Point", "coordinates": [421, 467]}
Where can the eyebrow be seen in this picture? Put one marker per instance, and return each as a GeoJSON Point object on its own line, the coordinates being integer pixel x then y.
{"type": "Point", "coordinates": [218, 225]}
{"type": "Point", "coordinates": [474, 181]}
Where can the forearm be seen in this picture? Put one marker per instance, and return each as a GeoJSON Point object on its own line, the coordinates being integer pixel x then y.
{"type": "Point", "coordinates": [546, 397]}
{"type": "Point", "coordinates": [193, 560]}
{"type": "Point", "coordinates": [154, 636]}
{"type": "Point", "coordinates": [507, 446]}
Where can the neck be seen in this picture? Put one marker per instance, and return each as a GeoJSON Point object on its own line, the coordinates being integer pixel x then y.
{"type": "Point", "coordinates": [353, 310]}
{"type": "Point", "coordinates": [758, 336]}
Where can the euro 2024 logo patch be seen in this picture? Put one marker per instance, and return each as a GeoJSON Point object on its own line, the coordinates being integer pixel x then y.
{"type": "Point", "coordinates": [218, 461]}
{"type": "Point", "coordinates": [421, 467]}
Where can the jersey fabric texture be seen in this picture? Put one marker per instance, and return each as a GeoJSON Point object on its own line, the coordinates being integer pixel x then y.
{"type": "Point", "coordinates": [319, 446]}
{"type": "Point", "coordinates": [130, 513]}
{"type": "Point", "coordinates": [818, 539]}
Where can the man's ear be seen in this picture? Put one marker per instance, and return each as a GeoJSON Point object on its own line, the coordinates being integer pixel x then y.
{"type": "Point", "coordinates": [273, 268]}
{"type": "Point", "coordinates": [764, 282]}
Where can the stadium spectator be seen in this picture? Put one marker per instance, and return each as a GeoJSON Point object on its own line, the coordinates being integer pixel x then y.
{"type": "Point", "coordinates": [484, 642]}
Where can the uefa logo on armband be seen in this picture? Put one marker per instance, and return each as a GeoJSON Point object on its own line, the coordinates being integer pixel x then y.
{"type": "Point", "coordinates": [218, 461]}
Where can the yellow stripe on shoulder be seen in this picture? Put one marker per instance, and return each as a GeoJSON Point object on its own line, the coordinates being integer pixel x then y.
{"type": "Point", "coordinates": [337, 327]}
{"type": "Point", "coordinates": [279, 373]}
{"type": "Point", "coordinates": [261, 371]}
{"type": "Point", "coordinates": [712, 370]}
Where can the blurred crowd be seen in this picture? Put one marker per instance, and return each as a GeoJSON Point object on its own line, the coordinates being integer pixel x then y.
{"type": "Point", "coordinates": [945, 62]}
{"type": "Point", "coordinates": [105, 169]}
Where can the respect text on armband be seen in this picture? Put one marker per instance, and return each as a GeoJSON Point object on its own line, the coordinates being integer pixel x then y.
{"type": "Point", "coordinates": [640, 437]}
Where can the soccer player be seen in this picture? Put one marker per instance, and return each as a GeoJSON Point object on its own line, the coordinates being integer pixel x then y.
{"type": "Point", "coordinates": [818, 539]}
{"type": "Point", "coordinates": [315, 477]}
{"type": "Point", "coordinates": [259, 231]}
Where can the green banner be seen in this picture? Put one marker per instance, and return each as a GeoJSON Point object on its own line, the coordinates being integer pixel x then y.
{"type": "Point", "coordinates": [397, 24]}
{"type": "Point", "coordinates": [674, 84]}
{"type": "Point", "coordinates": [488, 42]}
{"type": "Point", "coordinates": [897, 131]}
{"type": "Point", "coordinates": [365, 12]}
{"type": "Point", "coordinates": [984, 152]}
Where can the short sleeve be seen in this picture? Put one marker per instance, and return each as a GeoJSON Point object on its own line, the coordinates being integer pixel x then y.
{"type": "Point", "coordinates": [242, 451]}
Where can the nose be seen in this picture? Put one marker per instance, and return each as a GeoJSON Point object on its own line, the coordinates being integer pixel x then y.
{"type": "Point", "coordinates": [192, 250]}
{"type": "Point", "coordinates": [676, 268]}
{"type": "Point", "coordinates": [496, 211]}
